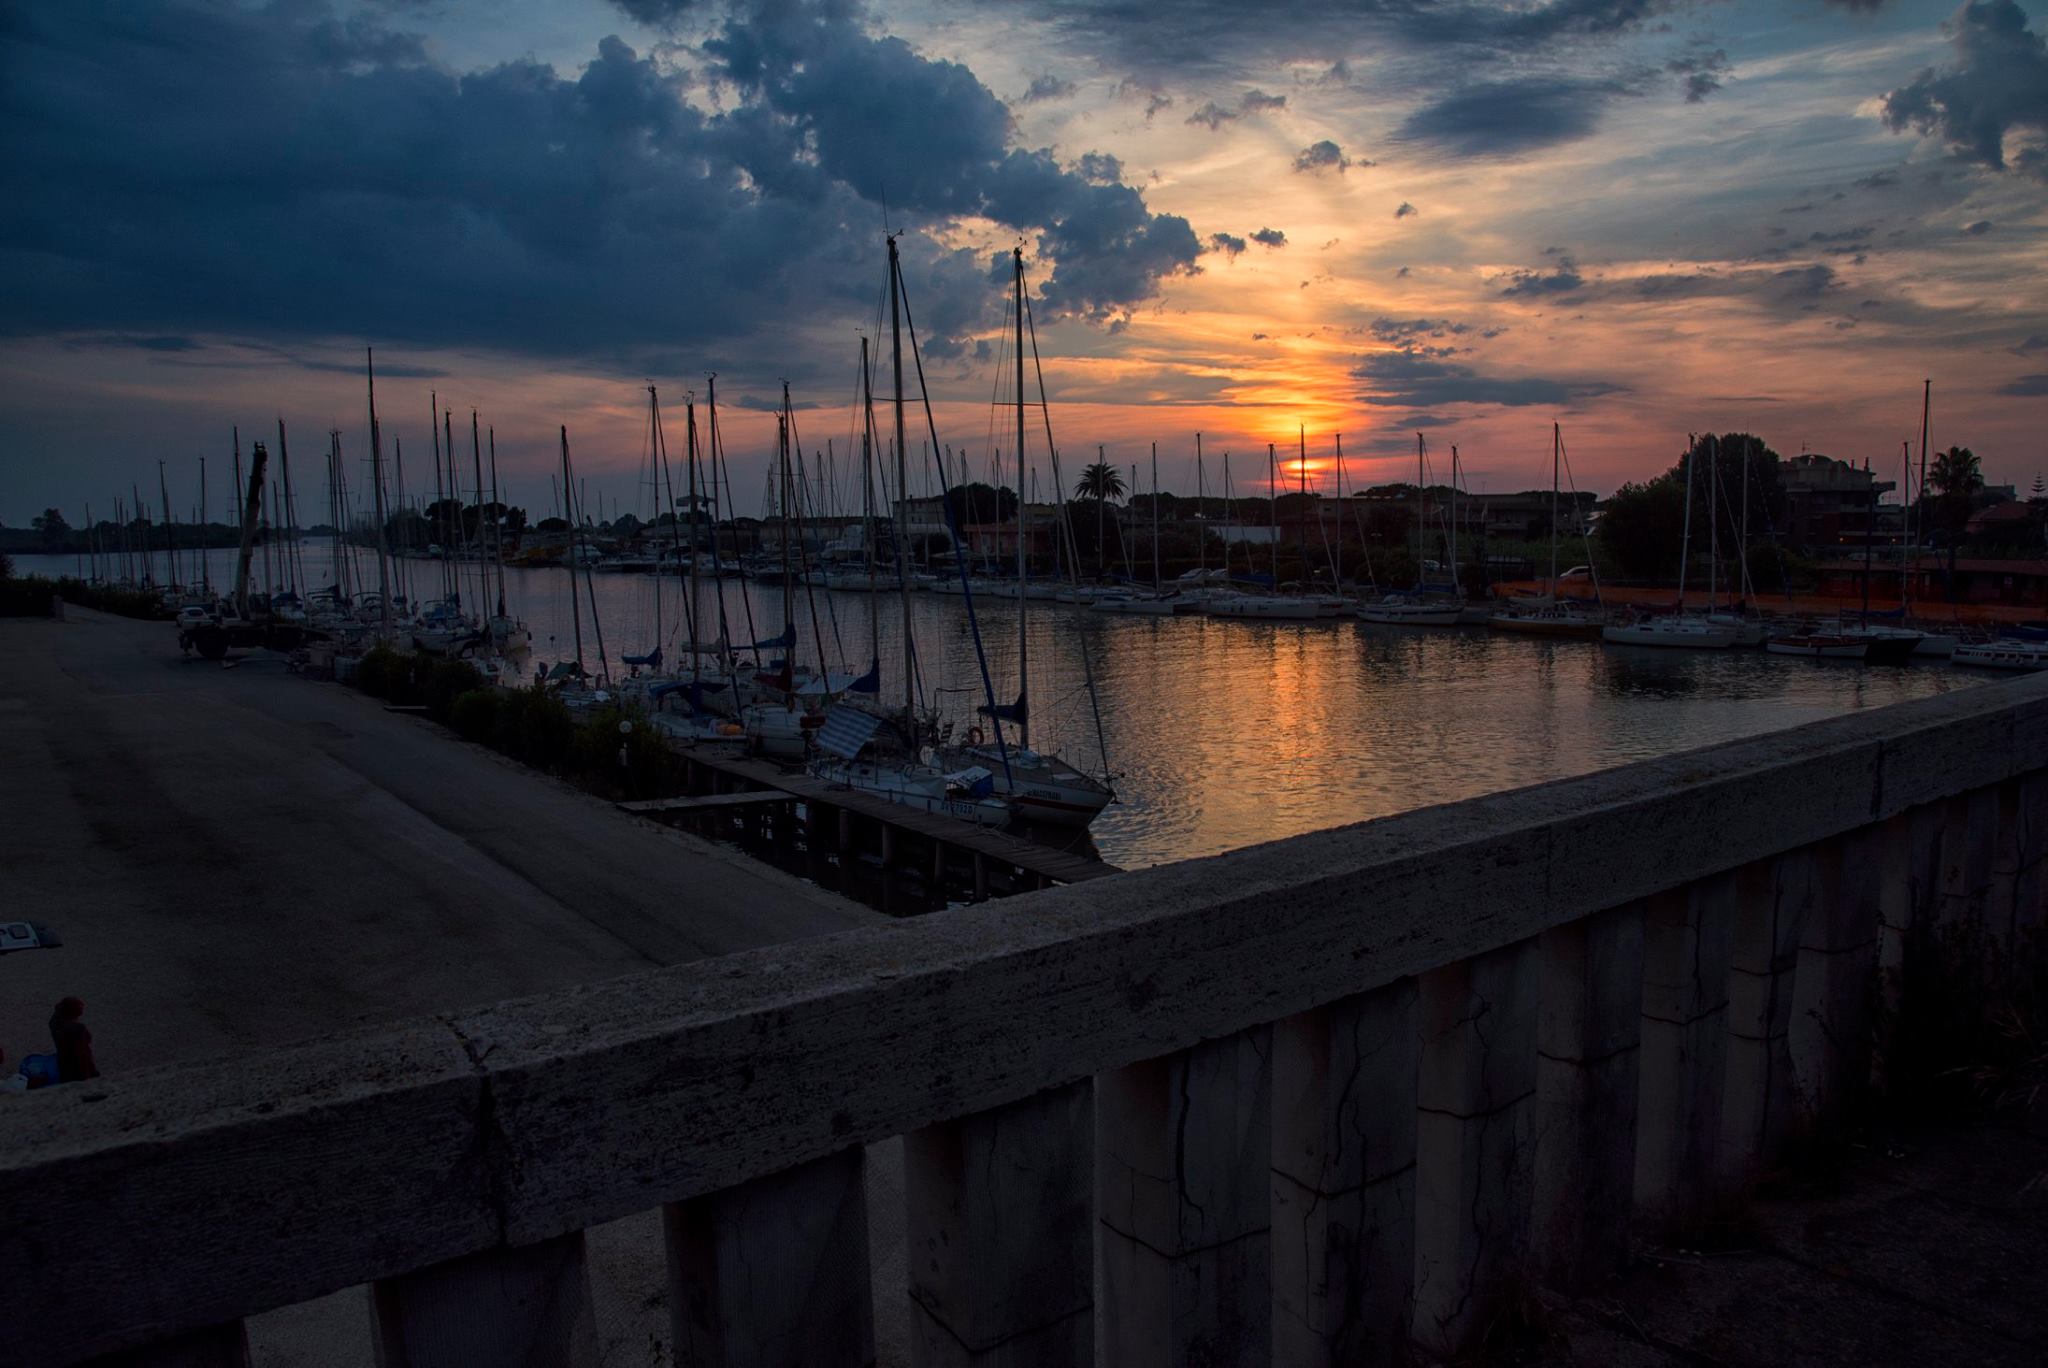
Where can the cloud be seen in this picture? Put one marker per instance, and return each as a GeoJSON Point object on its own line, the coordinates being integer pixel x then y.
{"type": "Point", "coordinates": [1878, 180]}
{"type": "Point", "coordinates": [661, 14]}
{"type": "Point", "coordinates": [1227, 244]}
{"type": "Point", "coordinates": [1270, 237]}
{"type": "Point", "coordinates": [1560, 279]}
{"type": "Point", "coordinates": [1408, 330]}
{"type": "Point", "coordinates": [158, 342]}
{"type": "Point", "coordinates": [1503, 118]}
{"type": "Point", "coordinates": [1099, 168]}
{"type": "Point", "coordinates": [1323, 156]}
{"type": "Point", "coordinates": [1409, 379]}
{"type": "Point", "coordinates": [1048, 87]}
{"type": "Point", "coordinates": [1702, 70]}
{"type": "Point", "coordinates": [1803, 284]}
{"type": "Point", "coordinates": [300, 167]}
{"type": "Point", "coordinates": [1213, 116]}
{"type": "Point", "coordinates": [1977, 229]}
{"type": "Point", "coordinates": [2026, 387]}
{"type": "Point", "coordinates": [1406, 210]}
{"type": "Point", "coordinates": [1997, 88]}
{"type": "Point", "coordinates": [2034, 342]}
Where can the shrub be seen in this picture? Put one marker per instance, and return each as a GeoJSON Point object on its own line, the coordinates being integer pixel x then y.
{"type": "Point", "coordinates": [383, 673]}
{"type": "Point", "coordinates": [533, 727]}
{"type": "Point", "coordinates": [444, 681]}
{"type": "Point", "coordinates": [474, 715]}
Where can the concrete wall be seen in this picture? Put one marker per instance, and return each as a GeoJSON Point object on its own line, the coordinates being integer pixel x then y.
{"type": "Point", "coordinates": [1164, 1066]}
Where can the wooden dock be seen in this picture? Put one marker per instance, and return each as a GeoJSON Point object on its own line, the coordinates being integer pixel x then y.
{"type": "Point", "coordinates": [739, 783]}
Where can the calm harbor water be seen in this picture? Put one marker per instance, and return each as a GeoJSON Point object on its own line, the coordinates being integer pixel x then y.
{"type": "Point", "coordinates": [1224, 733]}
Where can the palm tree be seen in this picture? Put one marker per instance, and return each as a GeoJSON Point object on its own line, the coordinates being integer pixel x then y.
{"type": "Point", "coordinates": [1957, 477]}
{"type": "Point", "coordinates": [1099, 482]}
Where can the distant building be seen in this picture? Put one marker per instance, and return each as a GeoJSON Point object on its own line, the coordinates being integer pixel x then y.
{"type": "Point", "coordinates": [1831, 504]}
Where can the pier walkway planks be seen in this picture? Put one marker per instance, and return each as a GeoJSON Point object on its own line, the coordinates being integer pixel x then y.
{"type": "Point", "coordinates": [1041, 861]}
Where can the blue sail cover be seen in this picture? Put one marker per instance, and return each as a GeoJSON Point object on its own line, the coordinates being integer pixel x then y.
{"type": "Point", "coordinates": [653, 658]}
{"type": "Point", "coordinates": [845, 731]}
{"type": "Point", "coordinates": [869, 683]}
{"type": "Point", "coordinates": [693, 689]}
{"type": "Point", "coordinates": [784, 642]}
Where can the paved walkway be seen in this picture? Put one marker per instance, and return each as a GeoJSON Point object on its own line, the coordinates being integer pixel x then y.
{"type": "Point", "coordinates": [238, 857]}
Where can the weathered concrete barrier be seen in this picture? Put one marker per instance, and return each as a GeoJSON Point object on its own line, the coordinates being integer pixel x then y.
{"type": "Point", "coordinates": [1303, 1103]}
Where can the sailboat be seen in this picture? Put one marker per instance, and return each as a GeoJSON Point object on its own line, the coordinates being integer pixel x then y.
{"type": "Point", "coordinates": [857, 749]}
{"type": "Point", "coordinates": [1270, 607]}
{"type": "Point", "coordinates": [1041, 786]}
{"type": "Point", "coordinates": [1550, 616]}
{"type": "Point", "coordinates": [1675, 629]}
{"type": "Point", "coordinates": [1415, 609]}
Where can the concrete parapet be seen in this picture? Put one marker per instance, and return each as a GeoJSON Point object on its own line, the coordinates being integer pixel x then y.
{"type": "Point", "coordinates": [774, 1273]}
{"type": "Point", "coordinates": [1588, 1043]}
{"type": "Point", "coordinates": [1474, 1142]}
{"type": "Point", "coordinates": [1688, 939]}
{"type": "Point", "coordinates": [1343, 1191]}
{"type": "Point", "coordinates": [1183, 1196]}
{"type": "Point", "coordinates": [525, 1305]}
{"type": "Point", "coordinates": [1000, 1235]}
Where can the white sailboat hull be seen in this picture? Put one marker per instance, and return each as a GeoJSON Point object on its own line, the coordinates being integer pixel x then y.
{"type": "Point", "coordinates": [913, 786]}
{"type": "Point", "coordinates": [1680, 634]}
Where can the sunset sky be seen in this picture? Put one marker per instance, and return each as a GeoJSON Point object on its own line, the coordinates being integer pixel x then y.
{"type": "Point", "coordinates": [1638, 218]}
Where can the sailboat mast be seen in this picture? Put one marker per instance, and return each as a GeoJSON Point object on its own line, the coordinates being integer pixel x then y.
{"type": "Point", "coordinates": [1337, 566]}
{"type": "Point", "coordinates": [497, 521]}
{"type": "Point", "coordinates": [377, 492]}
{"type": "Point", "coordinates": [170, 522]}
{"type": "Point", "coordinates": [1421, 514]}
{"type": "Point", "coordinates": [575, 613]}
{"type": "Point", "coordinates": [295, 570]}
{"type": "Point", "coordinates": [1201, 514]}
{"type": "Point", "coordinates": [1155, 517]}
{"type": "Point", "coordinates": [1556, 446]}
{"type": "Point", "coordinates": [1714, 528]}
{"type": "Point", "coordinates": [902, 485]}
{"type": "Point", "coordinates": [1023, 634]}
{"type": "Point", "coordinates": [867, 502]}
{"type": "Point", "coordinates": [205, 575]}
{"type": "Point", "coordinates": [455, 497]}
{"type": "Point", "coordinates": [1919, 529]}
{"type": "Point", "coordinates": [1692, 446]}
{"type": "Point", "coordinates": [1273, 510]}
{"type": "Point", "coordinates": [1454, 518]}
{"type": "Point", "coordinates": [476, 461]}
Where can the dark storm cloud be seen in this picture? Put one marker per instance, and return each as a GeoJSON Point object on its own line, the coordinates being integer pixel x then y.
{"type": "Point", "coordinates": [1506, 117]}
{"type": "Point", "coordinates": [654, 13]}
{"type": "Point", "coordinates": [198, 164]}
{"type": "Point", "coordinates": [2026, 387]}
{"type": "Point", "coordinates": [1215, 35]}
{"type": "Point", "coordinates": [1270, 237]}
{"type": "Point", "coordinates": [1997, 87]}
{"type": "Point", "coordinates": [1408, 330]}
{"type": "Point", "coordinates": [1323, 156]}
{"type": "Point", "coordinates": [1406, 210]}
{"type": "Point", "coordinates": [1228, 245]}
{"type": "Point", "coordinates": [156, 342]}
{"type": "Point", "coordinates": [1702, 71]}
{"type": "Point", "coordinates": [1407, 379]}
{"type": "Point", "coordinates": [1561, 279]}
{"type": "Point", "coordinates": [1048, 87]}
{"type": "Point", "coordinates": [1213, 116]}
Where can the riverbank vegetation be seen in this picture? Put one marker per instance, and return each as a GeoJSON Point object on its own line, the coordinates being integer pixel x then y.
{"type": "Point", "coordinates": [29, 596]}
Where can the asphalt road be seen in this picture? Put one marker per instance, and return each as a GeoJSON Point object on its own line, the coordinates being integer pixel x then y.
{"type": "Point", "coordinates": [237, 857]}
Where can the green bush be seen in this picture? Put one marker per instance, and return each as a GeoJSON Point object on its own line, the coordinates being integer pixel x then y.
{"type": "Point", "coordinates": [384, 673]}
{"type": "Point", "coordinates": [534, 728]}
{"type": "Point", "coordinates": [474, 715]}
{"type": "Point", "coordinates": [30, 597]}
{"type": "Point", "coordinates": [444, 681]}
